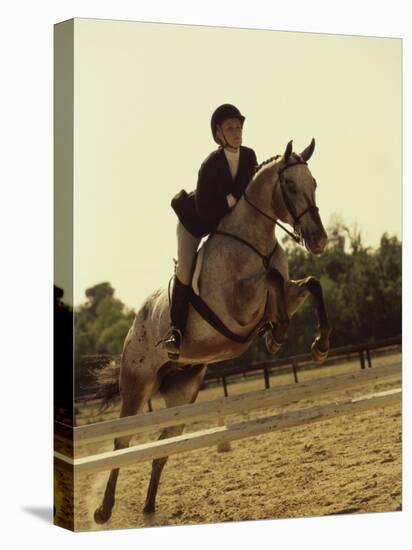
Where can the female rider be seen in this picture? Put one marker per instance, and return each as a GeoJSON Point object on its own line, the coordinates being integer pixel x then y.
{"type": "Point", "coordinates": [222, 179]}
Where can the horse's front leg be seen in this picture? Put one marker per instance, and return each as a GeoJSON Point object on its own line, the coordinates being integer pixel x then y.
{"type": "Point", "coordinates": [297, 292]}
{"type": "Point", "coordinates": [276, 330]}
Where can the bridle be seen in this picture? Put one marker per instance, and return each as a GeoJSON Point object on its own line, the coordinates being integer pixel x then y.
{"type": "Point", "coordinates": [296, 217]}
{"type": "Point", "coordinates": [296, 235]}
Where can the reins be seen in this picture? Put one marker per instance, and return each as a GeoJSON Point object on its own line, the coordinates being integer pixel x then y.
{"type": "Point", "coordinates": [294, 236]}
{"type": "Point", "coordinates": [265, 258]}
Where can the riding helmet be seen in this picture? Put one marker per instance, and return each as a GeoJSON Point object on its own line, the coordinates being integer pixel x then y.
{"type": "Point", "coordinates": [222, 113]}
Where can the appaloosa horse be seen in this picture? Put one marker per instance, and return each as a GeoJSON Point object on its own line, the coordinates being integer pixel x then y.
{"type": "Point", "coordinates": [245, 282]}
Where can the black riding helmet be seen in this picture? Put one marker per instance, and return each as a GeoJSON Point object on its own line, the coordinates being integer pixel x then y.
{"type": "Point", "coordinates": [221, 114]}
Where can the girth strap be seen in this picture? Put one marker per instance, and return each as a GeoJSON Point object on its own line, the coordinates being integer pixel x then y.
{"type": "Point", "coordinates": [210, 316]}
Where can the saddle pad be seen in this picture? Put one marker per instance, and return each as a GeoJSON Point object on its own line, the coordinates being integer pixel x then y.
{"type": "Point", "coordinates": [198, 269]}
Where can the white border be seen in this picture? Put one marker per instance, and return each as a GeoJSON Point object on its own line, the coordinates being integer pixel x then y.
{"type": "Point", "coordinates": [26, 258]}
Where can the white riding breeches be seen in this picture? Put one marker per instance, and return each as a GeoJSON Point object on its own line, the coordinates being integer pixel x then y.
{"type": "Point", "coordinates": [187, 246]}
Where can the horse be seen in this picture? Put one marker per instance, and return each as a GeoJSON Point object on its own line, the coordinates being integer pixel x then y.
{"type": "Point", "coordinates": [245, 281]}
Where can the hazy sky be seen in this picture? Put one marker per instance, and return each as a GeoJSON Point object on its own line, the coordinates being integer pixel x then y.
{"type": "Point", "coordinates": [144, 94]}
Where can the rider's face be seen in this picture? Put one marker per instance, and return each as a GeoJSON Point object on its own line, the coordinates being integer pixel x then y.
{"type": "Point", "coordinates": [230, 133]}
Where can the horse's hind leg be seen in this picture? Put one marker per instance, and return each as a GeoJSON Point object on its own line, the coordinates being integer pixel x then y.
{"type": "Point", "coordinates": [297, 293]}
{"type": "Point", "coordinates": [134, 399]}
{"type": "Point", "coordinates": [179, 388]}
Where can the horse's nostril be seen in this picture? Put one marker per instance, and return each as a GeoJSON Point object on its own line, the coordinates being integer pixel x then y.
{"type": "Point", "coordinates": [316, 245]}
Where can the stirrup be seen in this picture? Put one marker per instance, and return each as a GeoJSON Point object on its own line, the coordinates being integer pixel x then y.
{"type": "Point", "coordinates": [172, 343]}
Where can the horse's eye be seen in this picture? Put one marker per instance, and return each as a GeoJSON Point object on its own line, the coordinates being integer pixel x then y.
{"type": "Point", "coordinates": [291, 185]}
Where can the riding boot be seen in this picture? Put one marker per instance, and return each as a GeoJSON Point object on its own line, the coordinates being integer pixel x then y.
{"type": "Point", "coordinates": [178, 314]}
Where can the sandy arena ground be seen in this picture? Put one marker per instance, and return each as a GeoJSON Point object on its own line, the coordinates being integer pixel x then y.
{"type": "Point", "coordinates": [350, 464]}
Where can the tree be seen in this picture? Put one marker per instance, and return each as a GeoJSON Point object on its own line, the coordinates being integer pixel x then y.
{"type": "Point", "coordinates": [102, 322]}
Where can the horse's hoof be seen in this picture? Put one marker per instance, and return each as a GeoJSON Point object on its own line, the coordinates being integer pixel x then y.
{"type": "Point", "coordinates": [100, 516]}
{"type": "Point", "coordinates": [272, 349]}
{"type": "Point", "coordinates": [318, 355]}
{"type": "Point", "coordinates": [272, 346]}
{"type": "Point", "coordinates": [148, 510]}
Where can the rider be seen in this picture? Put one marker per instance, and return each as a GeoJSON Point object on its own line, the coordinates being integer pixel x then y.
{"type": "Point", "coordinates": [222, 179]}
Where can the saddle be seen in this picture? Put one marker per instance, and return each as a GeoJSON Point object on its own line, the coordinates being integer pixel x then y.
{"type": "Point", "coordinates": [198, 269]}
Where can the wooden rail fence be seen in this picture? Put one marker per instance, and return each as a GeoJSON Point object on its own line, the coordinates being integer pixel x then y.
{"type": "Point", "coordinates": [220, 372]}
{"type": "Point", "coordinates": [219, 408]}
{"type": "Point", "coordinates": [301, 362]}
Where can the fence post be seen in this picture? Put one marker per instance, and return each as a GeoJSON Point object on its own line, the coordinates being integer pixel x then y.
{"type": "Point", "coordinates": [368, 357]}
{"type": "Point", "coordinates": [362, 359]}
{"type": "Point", "coordinates": [295, 371]}
{"type": "Point", "coordinates": [266, 375]}
{"type": "Point", "coordinates": [225, 446]}
{"type": "Point", "coordinates": [225, 386]}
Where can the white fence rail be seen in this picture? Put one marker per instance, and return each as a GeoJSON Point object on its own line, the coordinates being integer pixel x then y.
{"type": "Point", "coordinates": [223, 407]}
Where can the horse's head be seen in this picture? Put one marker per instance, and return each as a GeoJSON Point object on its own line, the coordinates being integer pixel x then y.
{"type": "Point", "coordinates": [293, 198]}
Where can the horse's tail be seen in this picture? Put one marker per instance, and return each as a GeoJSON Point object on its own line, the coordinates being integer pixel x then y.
{"type": "Point", "coordinates": [107, 379]}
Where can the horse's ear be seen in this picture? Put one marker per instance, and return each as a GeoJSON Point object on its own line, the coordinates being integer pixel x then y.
{"type": "Point", "coordinates": [288, 151]}
{"type": "Point", "coordinates": [307, 153]}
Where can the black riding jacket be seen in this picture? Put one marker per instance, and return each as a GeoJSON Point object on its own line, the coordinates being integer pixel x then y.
{"type": "Point", "coordinates": [201, 211]}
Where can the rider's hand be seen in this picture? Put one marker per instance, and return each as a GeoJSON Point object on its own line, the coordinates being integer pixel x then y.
{"type": "Point", "coordinates": [231, 201]}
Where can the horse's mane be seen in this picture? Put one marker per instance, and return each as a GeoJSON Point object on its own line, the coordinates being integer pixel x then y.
{"type": "Point", "coordinates": [276, 157]}
{"type": "Point", "coordinates": [265, 162]}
